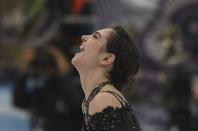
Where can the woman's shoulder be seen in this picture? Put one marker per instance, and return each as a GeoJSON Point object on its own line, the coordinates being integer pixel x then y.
{"type": "Point", "coordinates": [108, 97]}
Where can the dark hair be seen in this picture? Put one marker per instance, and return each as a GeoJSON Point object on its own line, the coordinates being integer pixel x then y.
{"type": "Point", "coordinates": [126, 62]}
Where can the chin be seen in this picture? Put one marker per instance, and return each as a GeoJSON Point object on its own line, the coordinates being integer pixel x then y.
{"type": "Point", "coordinates": [74, 61]}
{"type": "Point", "coordinates": [76, 58]}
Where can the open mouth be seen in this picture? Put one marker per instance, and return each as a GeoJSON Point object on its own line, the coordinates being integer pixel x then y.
{"type": "Point", "coordinates": [82, 48]}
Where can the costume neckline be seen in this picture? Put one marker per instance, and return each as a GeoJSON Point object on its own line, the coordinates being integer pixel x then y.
{"type": "Point", "coordinates": [96, 90]}
{"type": "Point", "coordinates": [93, 93]}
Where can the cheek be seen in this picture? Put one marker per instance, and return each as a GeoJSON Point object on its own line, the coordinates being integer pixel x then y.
{"type": "Point", "coordinates": [93, 49]}
{"type": "Point", "coordinates": [92, 55]}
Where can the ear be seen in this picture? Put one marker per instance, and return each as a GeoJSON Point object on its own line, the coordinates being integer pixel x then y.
{"type": "Point", "coordinates": [107, 59]}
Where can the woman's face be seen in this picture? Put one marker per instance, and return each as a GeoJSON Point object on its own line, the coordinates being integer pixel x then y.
{"type": "Point", "coordinates": [92, 49]}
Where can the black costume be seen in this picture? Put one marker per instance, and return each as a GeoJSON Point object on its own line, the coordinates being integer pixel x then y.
{"type": "Point", "coordinates": [110, 119]}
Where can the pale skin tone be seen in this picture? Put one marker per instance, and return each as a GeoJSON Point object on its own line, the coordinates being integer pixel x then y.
{"type": "Point", "coordinates": [93, 64]}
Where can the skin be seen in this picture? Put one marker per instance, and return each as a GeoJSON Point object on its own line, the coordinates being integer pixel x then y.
{"type": "Point", "coordinates": [93, 64]}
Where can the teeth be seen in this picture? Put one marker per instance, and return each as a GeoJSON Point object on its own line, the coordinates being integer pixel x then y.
{"type": "Point", "coordinates": [82, 48]}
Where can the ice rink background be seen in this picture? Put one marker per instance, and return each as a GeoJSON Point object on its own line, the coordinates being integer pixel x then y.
{"type": "Point", "coordinates": [11, 119]}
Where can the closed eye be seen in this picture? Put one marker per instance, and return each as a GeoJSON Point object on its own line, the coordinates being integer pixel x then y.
{"type": "Point", "coordinates": [96, 35]}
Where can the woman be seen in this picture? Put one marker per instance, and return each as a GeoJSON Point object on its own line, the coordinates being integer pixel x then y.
{"type": "Point", "coordinates": [107, 59]}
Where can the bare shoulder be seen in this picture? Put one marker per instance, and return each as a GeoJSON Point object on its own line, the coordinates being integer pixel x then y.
{"type": "Point", "coordinates": [103, 100]}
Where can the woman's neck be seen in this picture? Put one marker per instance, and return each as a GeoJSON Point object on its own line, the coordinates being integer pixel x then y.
{"type": "Point", "coordinates": [89, 81]}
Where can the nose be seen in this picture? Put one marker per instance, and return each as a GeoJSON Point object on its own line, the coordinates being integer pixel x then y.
{"type": "Point", "coordinates": [84, 38]}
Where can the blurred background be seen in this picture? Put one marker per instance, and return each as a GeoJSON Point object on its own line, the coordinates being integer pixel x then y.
{"type": "Point", "coordinates": [40, 89]}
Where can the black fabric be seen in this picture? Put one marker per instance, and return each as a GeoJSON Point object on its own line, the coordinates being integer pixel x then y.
{"type": "Point", "coordinates": [54, 101]}
{"type": "Point", "coordinates": [112, 119]}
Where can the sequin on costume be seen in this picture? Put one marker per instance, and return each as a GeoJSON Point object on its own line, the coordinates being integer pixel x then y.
{"type": "Point", "coordinates": [110, 119]}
